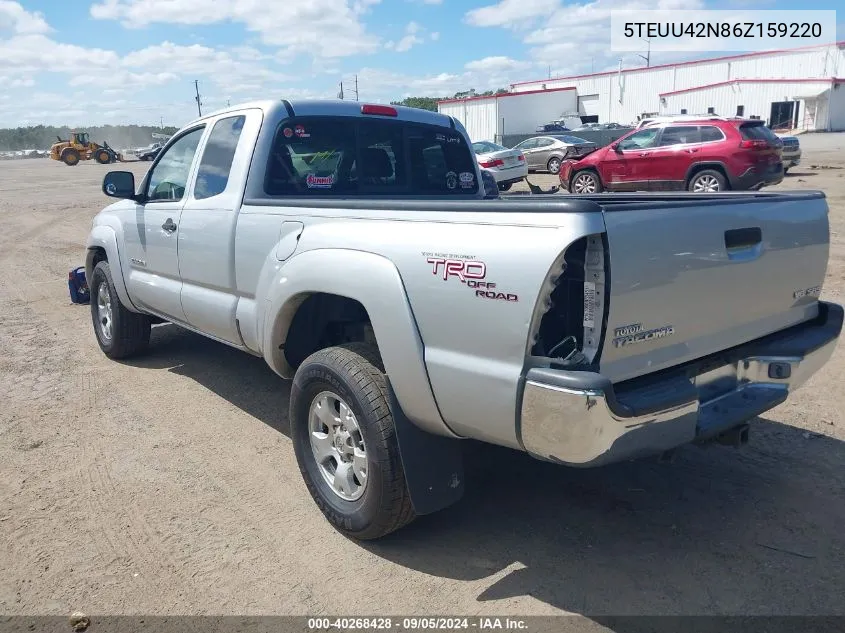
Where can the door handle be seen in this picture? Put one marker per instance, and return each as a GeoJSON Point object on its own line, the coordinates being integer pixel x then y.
{"type": "Point", "coordinates": [692, 151]}
{"type": "Point", "coordinates": [169, 225]}
{"type": "Point", "coordinates": [645, 153]}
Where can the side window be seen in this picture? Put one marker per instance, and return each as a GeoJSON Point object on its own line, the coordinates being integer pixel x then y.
{"type": "Point", "coordinates": [711, 133]}
{"type": "Point", "coordinates": [312, 156]}
{"type": "Point", "coordinates": [381, 157]}
{"type": "Point", "coordinates": [531, 143]}
{"type": "Point", "coordinates": [544, 142]}
{"type": "Point", "coordinates": [640, 140]}
{"type": "Point", "coordinates": [169, 177]}
{"type": "Point", "coordinates": [439, 162]}
{"type": "Point", "coordinates": [213, 173]}
{"type": "Point", "coordinates": [680, 135]}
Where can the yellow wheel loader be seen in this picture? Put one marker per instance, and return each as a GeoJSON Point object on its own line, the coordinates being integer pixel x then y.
{"type": "Point", "coordinates": [78, 148]}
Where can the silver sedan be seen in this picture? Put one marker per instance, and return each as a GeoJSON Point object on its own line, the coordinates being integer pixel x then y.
{"type": "Point", "coordinates": [546, 153]}
{"type": "Point", "coordinates": [506, 165]}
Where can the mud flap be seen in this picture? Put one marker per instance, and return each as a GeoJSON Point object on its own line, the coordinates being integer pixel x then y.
{"type": "Point", "coordinates": [434, 465]}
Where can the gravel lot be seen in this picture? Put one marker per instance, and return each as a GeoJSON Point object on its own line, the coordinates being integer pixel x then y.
{"type": "Point", "coordinates": [168, 484]}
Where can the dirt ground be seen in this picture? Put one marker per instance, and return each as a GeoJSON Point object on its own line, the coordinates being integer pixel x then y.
{"type": "Point", "coordinates": [168, 484]}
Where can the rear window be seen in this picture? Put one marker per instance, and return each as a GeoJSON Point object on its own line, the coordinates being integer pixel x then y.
{"type": "Point", "coordinates": [756, 132]}
{"type": "Point", "coordinates": [572, 140]}
{"type": "Point", "coordinates": [347, 155]}
{"type": "Point", "coordinates": [711, 133]}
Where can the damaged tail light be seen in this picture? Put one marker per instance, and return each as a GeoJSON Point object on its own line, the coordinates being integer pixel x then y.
{"type": "Point", "coordinates": [493, 163]}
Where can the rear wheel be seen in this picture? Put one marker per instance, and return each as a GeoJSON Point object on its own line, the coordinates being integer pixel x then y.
{"type": "Point", "coordinates": [586, 182]}
{"type": "Point", "coordinates": [707, 181]}
{"type": "Point", "coordinates": [505, 186]}
{"type": "Point", "coordinates": [553, 165]}
{"type": "Point", "coordinates": [345, 441]}
{"type": "Point", "coordinates": [120, 332]}
{"type": "Point", "coordinates": [70, 157]}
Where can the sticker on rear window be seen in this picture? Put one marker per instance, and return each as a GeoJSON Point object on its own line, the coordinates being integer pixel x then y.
{"type": "Point", "coordinates": [287, 132]}
{"type": "Point", "coordinates": [299, 130]}
{"type": "Point", "coordinates": [451, 180]}
{"type": "Point", "coordinates": [319, 182]}
{"type": "Point", "coordinates": [589, 304]}
{"type": "Point", "coordinates": [467, 179]}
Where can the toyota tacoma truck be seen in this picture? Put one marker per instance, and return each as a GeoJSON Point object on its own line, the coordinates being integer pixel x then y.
{"type": "Point", "coordinates": [356, 250]}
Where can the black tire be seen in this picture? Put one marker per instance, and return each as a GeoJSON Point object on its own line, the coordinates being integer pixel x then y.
{"type": "Point", "coordinates": [553, 165]}
{"type": "Point", "coordinates": [102, 156]}
{"type": "Point", "coordinates": [705, 176]}
{"type": "Point", "coordinates": [353, 373]}
{"type": "Point", "coordinates": [785, 170]}
{"type": "Point", "coordinates": [70, 157]}
{"type": "Point", "coordinates": [505, 186]}
{"type": "Point", "coordinates": [130, 331]}
{"type": "Point", "coordinates": [584, 178]}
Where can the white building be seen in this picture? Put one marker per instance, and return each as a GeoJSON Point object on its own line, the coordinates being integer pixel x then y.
{"type": "Point", "coordinates": [801, 88]}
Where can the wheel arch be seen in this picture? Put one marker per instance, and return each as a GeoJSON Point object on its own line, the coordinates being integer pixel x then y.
{"type": "Point", "coordinates": [102, 246]}
{"type": "Point", "coordinates": [591, 168]}
{"type": "Point", "coordinates": [356, 279]}
{"type": "Point", "coordinates": [716, 165]}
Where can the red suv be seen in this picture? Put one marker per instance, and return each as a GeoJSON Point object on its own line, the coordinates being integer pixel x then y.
{"type": "Point", "coordinates": [702, 156]}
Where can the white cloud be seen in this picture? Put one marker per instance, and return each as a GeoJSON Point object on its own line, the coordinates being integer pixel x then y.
{"type": "Point", "coordinates": [435, 36]}
{"type": "Point", "coordinates": [496, 64]}
{"type": "Point", "coordinates": [432, 1]}
{"type": "Point", "coordinates": [569, 38]}
{"type": "Point", "coordinates": [414, 34]}
{"type": "Point", "coordinates": [320, 28]}
{"type": "Point", "coordinates": [14, 18]}
{"type": "Point", "coordinates": [512, 13]}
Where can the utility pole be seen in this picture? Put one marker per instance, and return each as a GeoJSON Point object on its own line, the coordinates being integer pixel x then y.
{"type": "Point", "coordinates": [647, 56]}
{"type": "Point", "coordinates": [199, 103]}
{"type": "Point", "coordinates": [340, 94]}
{"type": "Point", "coordinates": [162, 123]}
{"type": "Point", "coordinates": [356, 87]}
{"type": "Point", "coordinates": [228, 105]}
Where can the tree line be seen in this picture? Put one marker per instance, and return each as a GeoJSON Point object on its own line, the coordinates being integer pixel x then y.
{"type": "Point", "coordinates": [43, 136]}
{"type": "Point", "coordinates": [430, 103]}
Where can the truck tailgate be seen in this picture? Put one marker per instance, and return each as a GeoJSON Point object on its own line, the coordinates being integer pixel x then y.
{"type": "Point", "coordinates": [690, 276]}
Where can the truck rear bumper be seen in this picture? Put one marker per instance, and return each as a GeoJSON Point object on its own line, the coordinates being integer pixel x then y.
{"type": "Point", "coordinates": [581, 419]}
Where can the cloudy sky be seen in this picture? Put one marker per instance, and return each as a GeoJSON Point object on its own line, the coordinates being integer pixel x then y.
{"type": "Point", "coordinates": [86, 62]}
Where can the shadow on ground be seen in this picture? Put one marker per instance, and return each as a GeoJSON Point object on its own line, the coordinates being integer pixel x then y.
{"type": "Point", "coordinates": [759, 530]}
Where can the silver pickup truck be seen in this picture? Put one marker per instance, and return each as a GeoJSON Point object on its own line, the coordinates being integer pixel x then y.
{"type": "Point", "coordinates": [355, 248]}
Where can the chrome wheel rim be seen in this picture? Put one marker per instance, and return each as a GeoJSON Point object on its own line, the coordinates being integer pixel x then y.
{"type": "Point", "coordinates": [338, 446]}
{"type": "Point", "coordinates": [554, 165]}
{"type": "Point", "coordinates": [584, 184]}
{"type": "Point", "coordinates": [706, 184]}
{"type": "Point", "coordinates": [104, 312]}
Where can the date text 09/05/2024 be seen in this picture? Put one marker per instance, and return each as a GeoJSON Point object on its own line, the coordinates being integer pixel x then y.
{"type": "Point", "coordinates": [416, 624]}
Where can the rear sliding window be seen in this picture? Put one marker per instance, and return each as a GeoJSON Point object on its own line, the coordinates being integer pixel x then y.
{"type": "Point", "coordinates": [756, 132]}
{"type": "Point", "coordinates": [347, 156]}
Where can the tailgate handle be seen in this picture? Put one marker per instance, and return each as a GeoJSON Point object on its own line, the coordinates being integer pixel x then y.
{"type": "Point", "coordinates": [743, 238]}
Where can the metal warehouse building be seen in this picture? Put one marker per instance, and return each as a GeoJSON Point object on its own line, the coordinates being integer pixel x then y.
{"type": "Point", "coordinates": [802, 88]}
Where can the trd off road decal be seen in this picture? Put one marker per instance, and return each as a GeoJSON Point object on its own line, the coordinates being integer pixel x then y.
{"type": "Point", "coordinates": [469, 271]}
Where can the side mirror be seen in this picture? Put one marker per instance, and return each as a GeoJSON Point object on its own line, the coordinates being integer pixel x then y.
{"type": "Point", "coordinates": [491, 189]}
{"type": "Point", "coordinates": [615, 147]}
{"type": "Point", "coordinates": [119, 184]}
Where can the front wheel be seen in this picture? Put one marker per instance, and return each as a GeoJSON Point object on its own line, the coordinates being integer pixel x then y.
{"type": "Point", "coordinates": [707, 181]}
{"type": "Point", "coordinates": [345, 441]}
{"type": "Point", "coordinates": [586, 182]}
{"type": "Point", "coordinates": [505, 186]}
{"type": "Point", "coordinates": [120, 332]}
{"type": "Point", "coordinates": [553, 165]}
